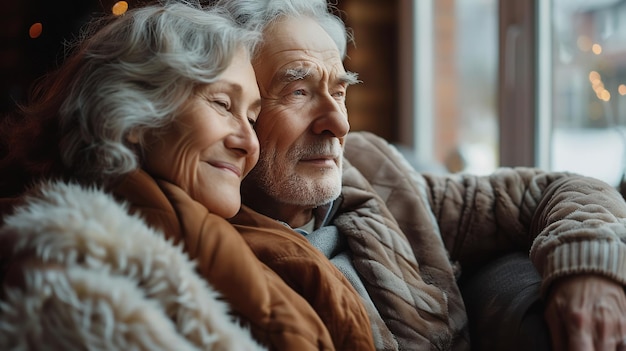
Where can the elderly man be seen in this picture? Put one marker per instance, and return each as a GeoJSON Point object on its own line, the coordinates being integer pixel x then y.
{"type": "Point", "coordinates": [400, 237]}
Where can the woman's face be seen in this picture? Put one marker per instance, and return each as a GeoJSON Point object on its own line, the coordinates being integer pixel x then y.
{"type": "Point", "coordinates": [212, 145]}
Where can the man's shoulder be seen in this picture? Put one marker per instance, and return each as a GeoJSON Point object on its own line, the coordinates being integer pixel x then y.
{"type": "Point", "coordinates": [365, 139]}
{"type": "Point", "coordinates": [372, 159]}
{"type": "Point", "coordinates": [365, 149]}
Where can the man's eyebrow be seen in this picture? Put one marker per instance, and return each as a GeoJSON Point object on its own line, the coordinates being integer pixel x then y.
{"type": "Point", "coordinates": [293, 74]}
{"type": "Point", "coordinates": [301, 73]}
{"type": "Point", "coordinates": [349, 78]}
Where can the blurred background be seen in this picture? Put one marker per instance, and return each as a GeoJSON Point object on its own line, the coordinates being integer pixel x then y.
{"type": "Point", "coordinates": [460, 85]}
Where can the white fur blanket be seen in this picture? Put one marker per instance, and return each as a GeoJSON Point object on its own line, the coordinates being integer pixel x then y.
{"type": "Point", "coordinates": [86, 275]}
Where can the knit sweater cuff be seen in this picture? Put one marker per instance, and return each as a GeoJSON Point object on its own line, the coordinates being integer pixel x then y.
{"type": "Point", "coordinates": [606, 258]}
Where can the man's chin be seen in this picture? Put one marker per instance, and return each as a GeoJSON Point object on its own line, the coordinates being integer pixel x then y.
{"type": "Point", "coordinates": [325, 191]}
{"type": "Point", "coordinates": [311, 192]}
{"type": "Point", "coordinates": [301, 187]}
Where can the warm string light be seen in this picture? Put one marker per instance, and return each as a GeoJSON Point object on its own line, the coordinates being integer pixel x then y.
{"type": "Point", "coordinates": [598, 86]}
{"type": "Point", "coordinates": [585, 44]}
{"type": "Point", "coordinates": [119, 8]}
{"type": "Point", "coordinates": [35, 30]}
{"type": "Point", "coordinates": [596, 49]}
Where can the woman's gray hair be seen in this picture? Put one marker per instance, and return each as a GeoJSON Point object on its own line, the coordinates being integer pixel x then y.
{"type": "Point", "coordinates": [258, 14]}
{"type": "Point", "coordinates": [134, 74]}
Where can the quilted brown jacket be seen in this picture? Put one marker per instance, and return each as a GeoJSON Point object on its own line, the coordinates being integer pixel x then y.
{"type": "Point", "coordinates": [420, 227]}
{"type": "Point", "coordinates": [409, 233]}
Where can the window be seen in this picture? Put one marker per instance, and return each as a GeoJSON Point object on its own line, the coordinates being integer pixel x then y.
{"type": "Point", "coordinates": [455, 65]}
{"type": "Point", "coordinates": [520, 83]}
{"type": "Point", "coordinates": [474, 148]}
{"type": "Point", "coordinates": [588, 87]}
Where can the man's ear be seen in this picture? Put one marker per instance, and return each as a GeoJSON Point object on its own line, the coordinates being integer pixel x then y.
{"type": "Point", "coordinates": [133, 136]}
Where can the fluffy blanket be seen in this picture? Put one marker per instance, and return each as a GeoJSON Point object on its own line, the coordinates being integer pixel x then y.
{"type": "Point", "coordinates": [83, 274]}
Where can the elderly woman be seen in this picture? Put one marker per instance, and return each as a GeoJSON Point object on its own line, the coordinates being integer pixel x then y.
{"type": "Point", "coordinates": [143, 134]}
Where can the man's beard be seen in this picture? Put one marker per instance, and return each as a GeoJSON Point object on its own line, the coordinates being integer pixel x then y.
{"type": "Point", "coordinates": [281, 182]}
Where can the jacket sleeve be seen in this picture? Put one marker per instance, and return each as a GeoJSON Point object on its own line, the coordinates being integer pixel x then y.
{"type": "Point", "coordinates": [569, 224]}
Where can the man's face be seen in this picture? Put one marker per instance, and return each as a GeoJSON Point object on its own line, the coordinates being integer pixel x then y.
{"type": "Point", "coordinates": [303, 119]}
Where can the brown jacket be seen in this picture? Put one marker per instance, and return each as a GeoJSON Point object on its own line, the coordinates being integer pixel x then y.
{"type": "Point", "coordinates": [310, 274]}
{"type": "Point", "coordinates": [568, 223]}
{"type": "Point", "coordinates": [277, 316]}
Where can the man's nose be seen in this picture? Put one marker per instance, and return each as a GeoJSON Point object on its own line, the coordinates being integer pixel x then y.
{"type": "Point", "coordinates": [331, 117]}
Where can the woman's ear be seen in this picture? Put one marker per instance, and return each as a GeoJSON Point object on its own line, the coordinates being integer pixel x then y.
{"type": "Point", "coordinates": [133, 136]}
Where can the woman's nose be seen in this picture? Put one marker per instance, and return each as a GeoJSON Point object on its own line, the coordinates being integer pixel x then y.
{"type": "Point", "coordinates": [244, 140]}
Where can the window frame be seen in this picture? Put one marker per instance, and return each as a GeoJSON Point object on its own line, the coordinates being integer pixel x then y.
{"type": "Point", "coordinates": [523, 103]}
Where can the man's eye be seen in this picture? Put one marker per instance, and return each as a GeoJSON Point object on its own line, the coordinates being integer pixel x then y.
{"type": "Point", "coordinates": [339, 94]}
{"type": "Point", "coordinates": [299, 92]}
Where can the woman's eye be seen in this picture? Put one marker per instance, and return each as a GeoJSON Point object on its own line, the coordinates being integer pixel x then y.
{"type": "Point", "coordinates": [223, 104]}
{"type": "Point", "coordinates": [252, 122]}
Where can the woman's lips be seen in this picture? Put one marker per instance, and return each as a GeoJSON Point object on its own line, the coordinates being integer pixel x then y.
{"type": "Point", "coordinates": [227, 167]}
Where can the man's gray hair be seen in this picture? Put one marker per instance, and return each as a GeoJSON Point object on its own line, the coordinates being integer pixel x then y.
{"type": "Point", "coordinates": [134, 74]}
{"type": "Point", "coordinates": [258, 14]}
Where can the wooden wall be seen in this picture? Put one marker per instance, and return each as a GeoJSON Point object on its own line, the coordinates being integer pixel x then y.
{"type": "Point", "coordinates": [373, 105]}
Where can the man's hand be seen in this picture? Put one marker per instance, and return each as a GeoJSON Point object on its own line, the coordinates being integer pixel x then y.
{"type": "Point", "coordinates": [587, 312]}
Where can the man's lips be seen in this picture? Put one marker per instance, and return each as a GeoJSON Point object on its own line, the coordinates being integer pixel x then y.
{"type": "Point", "coordinates": [321, 160]}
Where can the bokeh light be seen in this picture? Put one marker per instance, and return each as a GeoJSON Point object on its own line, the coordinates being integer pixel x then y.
{"type": "Point", "coordinates": [119, 8]}
{"type": "Point", "coordinates": [35, 30]}
{"type": "Point", "coordinates": [604, 95]}
{"type": "Point", "coordinates": [597, 49]}
{"type": "Point", "coordinates": [584, 43]}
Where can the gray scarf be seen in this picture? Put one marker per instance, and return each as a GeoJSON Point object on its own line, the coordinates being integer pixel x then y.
{"type": "Point", "coordinates": [334, 246]}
